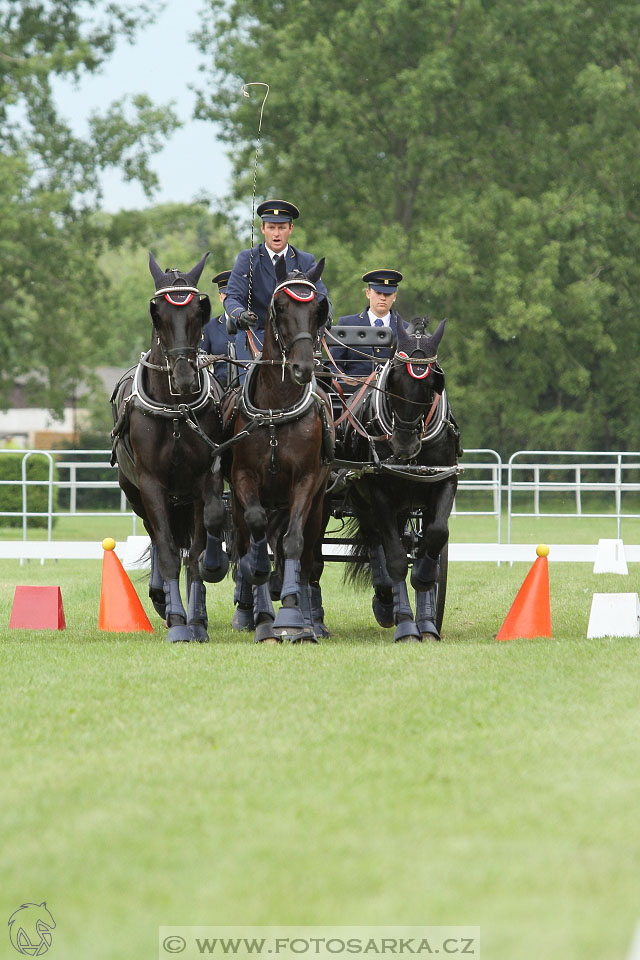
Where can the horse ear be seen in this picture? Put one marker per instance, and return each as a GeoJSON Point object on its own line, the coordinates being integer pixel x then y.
{"type": "Point", "coordinates": [316, 272]}
{"type": "Point", "coordinates": [281, 269]}
{"type": "Point", "coordinates": [194, 274]}
{"type": "Point", "coordinates": [156, 272]}
{"type": "Point", "coordinates": [434, 341]}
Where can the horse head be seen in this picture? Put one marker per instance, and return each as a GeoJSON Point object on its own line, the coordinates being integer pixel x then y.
{"type": "Point", "coordinates": [414, 382]}
{"type": "Point", "coordinates": [179, 312]}
{"type": "Point", "coordinates": [297, 314]}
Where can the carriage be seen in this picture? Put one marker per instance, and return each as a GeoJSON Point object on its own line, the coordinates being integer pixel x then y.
{"type": "Point", "coordinates": [380, 498]}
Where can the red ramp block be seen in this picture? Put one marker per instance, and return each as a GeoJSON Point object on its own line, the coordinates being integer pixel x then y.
{"type": "Point", "coordinates": [37, 608]}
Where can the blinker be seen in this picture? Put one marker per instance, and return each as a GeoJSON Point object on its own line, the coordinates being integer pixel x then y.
{"type": "Point", "coordinates": [409, 365]}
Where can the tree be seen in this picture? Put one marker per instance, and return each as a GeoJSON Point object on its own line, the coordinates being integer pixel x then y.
{"type": "Point", "coordinates": [49, 184]}
{"type": "Point", "coordinates": [491, 152]}
{"type": "Point", "coordinates": [178, 235]}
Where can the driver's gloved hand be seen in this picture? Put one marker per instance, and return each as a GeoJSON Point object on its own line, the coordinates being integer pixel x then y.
{"type": "Point", "coordinates": [247, 319]}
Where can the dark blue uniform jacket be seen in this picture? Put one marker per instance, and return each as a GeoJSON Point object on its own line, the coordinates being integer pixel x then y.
{"type": "Point", "coordinates": [215, 340]}
{"type": "Point", "coordinates": [263, 281]}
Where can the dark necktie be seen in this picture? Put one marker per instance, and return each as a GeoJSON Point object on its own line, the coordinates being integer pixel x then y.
{"type": "Point", "coordinates": [276, 259]}
{"type": "Point", "coordinates": [378, 322]}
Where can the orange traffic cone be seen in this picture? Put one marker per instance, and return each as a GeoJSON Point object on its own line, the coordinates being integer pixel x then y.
{"type": "Point", "coordinates": [120, 607]}
{"type": "Point", "coordinates": [530, 613]}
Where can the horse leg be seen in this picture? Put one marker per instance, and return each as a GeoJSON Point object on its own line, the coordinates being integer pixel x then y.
{"type": "Point", "coordinates": [425, 570]}
{"type": "Point", "coordinates": [290, 620]}
{"type": "Point", "coordinates": [264, 615]}
{"type": "Point", "coordinates": [382, 602]}
{"type": "Point", "coordinates": [156, 584]}
{"type": "Point", "coordinates": [395, 556]}
{"type": "Point", "coordinates": [255, 565]}
{"type": "Point", "coordinates": [317, 609]}
{"type": "Point", "coordinates": [370, 512]}
{"type": "Point", "coordinates": [213, 562]}
{"type": "Point", "coordinates": [243, 600]}
{"type": "Point", "coordinates": [197, 619]}
{"type": "Point", "coordinates": [311, 567]}
{"type": "Point", "coordinates": [156, 510]}
{"type": "Point", "coordinates": [315, 590]}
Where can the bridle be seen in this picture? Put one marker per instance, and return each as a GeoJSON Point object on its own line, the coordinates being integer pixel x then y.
{"type": "Point", "coordinates": [173, 354]}
{"type": "Point", "coordinates": [286, 286]}
{"type": "Point", "coordinates": [418, 425]}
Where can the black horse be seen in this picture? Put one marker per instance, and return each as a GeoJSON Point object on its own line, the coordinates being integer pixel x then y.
{"type": "Point", "coordinates": [168, 422]}
{"type": "Point", "coordinates": [282, 444]}
{"type": "Point", "coordinates": [402, 434]}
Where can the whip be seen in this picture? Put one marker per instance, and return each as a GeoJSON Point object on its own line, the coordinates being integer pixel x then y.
{"type": "Point", "coordinates": [245, 93]}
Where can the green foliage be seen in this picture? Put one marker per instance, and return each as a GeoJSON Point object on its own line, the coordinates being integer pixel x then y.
{"type": "Point", "coordinates": [489, 151]}
{"type": "Point", "coordinates": [37, 501]}
{"type": "Point", "coordinates": [178, 235]}
{"type": "Point", "coordinates": [49, 183]}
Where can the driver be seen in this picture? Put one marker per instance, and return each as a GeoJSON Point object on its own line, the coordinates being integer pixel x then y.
{"type": "Point", "coordinates": [276, 226]}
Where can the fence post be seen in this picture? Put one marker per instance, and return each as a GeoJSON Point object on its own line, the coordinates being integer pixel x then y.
{"type": "Point", "coordinates": [25, 485]}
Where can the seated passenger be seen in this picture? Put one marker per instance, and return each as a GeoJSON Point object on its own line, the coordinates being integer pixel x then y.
{"type": "Point", "coordinates": [381, 292]}
{"type": "Point", "coordinates": [214, 336]}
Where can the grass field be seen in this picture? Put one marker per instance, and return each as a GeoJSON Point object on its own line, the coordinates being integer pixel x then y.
{"type": "Point", "coordinates": [358, 782]}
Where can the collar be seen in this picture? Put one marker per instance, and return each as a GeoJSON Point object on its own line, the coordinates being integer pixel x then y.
{"type": "Point", "coordinates": [372, 318]}
{"type": "Point", "coordinates": [308, 397]}
{"type": "Point", "coordinates": [271, 254]}
{"type": "Point", "coordinates": [382, 413]}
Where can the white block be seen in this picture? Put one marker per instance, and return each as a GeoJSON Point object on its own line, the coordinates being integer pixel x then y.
{"type": "Point", "coordinates": [634, 949]}
{"type": "Point", "coordinates": [614, 615]}
{"type": "Point", "coordinates": [610, 557]}
{"type": "Point", "coordinates": [131, 550]}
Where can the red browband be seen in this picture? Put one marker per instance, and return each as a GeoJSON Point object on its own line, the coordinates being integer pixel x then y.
{"type": "Point", "coordinates": [409, 365]}
{"type": "Point", "coordinates": [294, 296]}
{"type": "Point", "coordinates": [178, 303]}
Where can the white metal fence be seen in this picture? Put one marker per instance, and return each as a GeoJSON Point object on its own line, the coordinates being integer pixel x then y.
{"type": "Point", "coordinates": [613, 476]}
{"type": "Point", "coordinates": [528, 479]}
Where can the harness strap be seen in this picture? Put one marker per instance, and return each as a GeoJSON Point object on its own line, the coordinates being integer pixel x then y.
{"type": "Point", "coordinates": [254, 349]}
{"type": "Point", "coordinates": [341, 375]}
{"type": "Point", "coordinates": [432, 411]}
{"type": "Point", "coordinates": [349, 406]}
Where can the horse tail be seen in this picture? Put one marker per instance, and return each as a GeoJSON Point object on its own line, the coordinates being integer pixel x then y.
{"type": "Point", "coordinates": [358, 569]}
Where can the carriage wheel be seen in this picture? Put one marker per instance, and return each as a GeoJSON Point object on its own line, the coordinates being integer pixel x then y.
{"type": "Point", "coordinates": [442, 586]}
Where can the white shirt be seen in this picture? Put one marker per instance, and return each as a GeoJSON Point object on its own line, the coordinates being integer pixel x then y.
{"type": "Point", "coordinates": [385, 320]}
{"type": "Point", "coordinates": [273, 255]}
